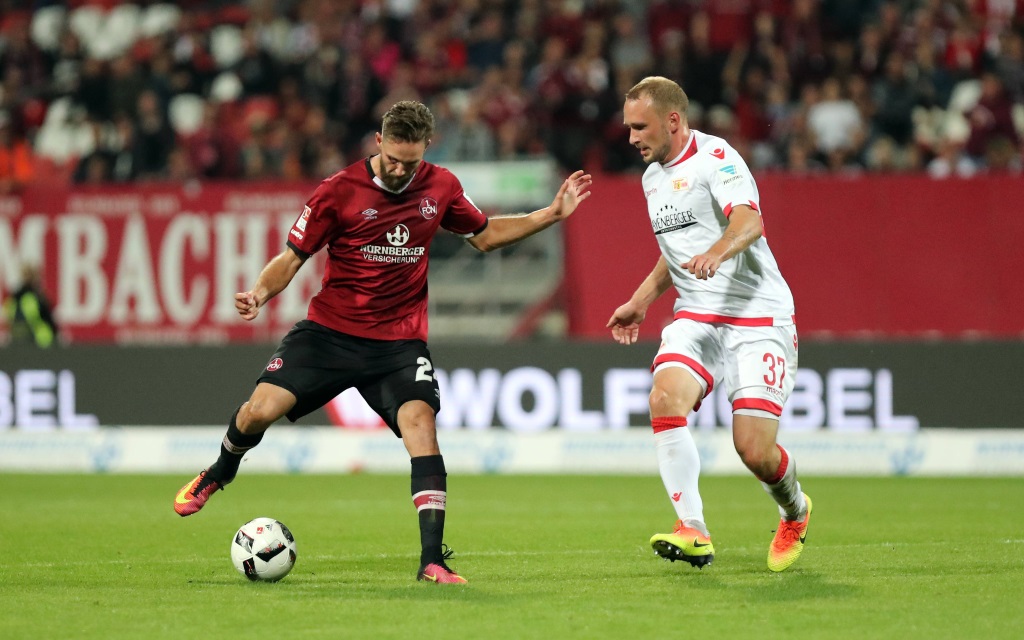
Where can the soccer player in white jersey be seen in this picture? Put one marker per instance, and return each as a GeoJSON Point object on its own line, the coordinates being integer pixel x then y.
{"type": "Point", "coordinates": [733, 323]}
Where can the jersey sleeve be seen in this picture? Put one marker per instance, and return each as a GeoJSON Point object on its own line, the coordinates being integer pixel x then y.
{"type": "Point", "coordinates": [731, 181]}
{"type": "Point", "coordinates": [463, 217]}
{"type": "Point", "coordinates": [312, 229]}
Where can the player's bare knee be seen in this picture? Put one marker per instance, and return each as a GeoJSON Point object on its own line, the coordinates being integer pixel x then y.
{"type": "Point", "coordinates": [416, 411]}
{"type": "Point", "coordinates": [755, 456]}
{"type": "Point", "coordinates": [255, 416]}
{"type": "Point", "coordinates": [662, 402]}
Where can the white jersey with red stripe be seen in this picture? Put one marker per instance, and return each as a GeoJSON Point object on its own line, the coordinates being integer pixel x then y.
{"type": "Point", "coordinates": [689, 200]}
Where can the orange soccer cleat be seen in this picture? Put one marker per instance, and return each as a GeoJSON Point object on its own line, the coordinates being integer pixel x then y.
{"type": "Point", "coordinates": [194, 495]}
{"type": "Point", "coordinates": [788, 542]}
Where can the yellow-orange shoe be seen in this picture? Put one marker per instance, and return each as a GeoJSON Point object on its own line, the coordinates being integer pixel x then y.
{"type": "Point", "coordinates": [788, 542]}
{"type": "Point", "coordinates": [686, 544]}
{"type": "Point", "coordinates": [194, 495]}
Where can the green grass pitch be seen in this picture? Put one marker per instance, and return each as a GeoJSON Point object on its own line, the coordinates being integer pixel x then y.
{"type": "Point", "coordinates": [547, 557]}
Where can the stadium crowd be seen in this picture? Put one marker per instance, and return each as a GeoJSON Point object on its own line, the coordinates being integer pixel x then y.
{"type": "Point", "coordinates": [102, 91]}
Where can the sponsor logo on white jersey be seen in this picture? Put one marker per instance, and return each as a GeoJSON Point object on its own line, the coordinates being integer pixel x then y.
{"type": "Point", "coordinates": [670, 219]}
{"type": "Point", "coordinates": [729, 173]}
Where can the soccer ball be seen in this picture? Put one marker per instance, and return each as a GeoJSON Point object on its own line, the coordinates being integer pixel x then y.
{"type": "Point", "coordinates": [263, 549]}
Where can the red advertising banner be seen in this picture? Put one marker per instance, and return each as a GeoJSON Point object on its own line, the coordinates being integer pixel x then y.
{"type": "Point", "coordinates": [157, 264]}
{"type": "Point", "coordinates": [872, 257]}
{"type": "Point", "coordinates": [875, 258]}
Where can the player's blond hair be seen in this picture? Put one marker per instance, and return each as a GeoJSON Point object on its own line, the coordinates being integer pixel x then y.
{"type": "Point", "coordinates": [665, 94]}
{"type": "Point", "coordinates": [408, 121]}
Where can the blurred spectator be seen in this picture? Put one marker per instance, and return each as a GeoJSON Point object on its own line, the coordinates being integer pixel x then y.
{"type": "Point", "coordinates": [950, 161]}
{"type": "Point", "coordinates": [93, 91]}
{"type": "Point", "coordinates": [702, 72]}
{"type": "Point", "coordinates": [895, 99]}
{"type": "Point", "coordinates": [630, 50]}
{"type": "Point", "coordinates": [28, 312]}
{"type": "Point", "coordinates": [19, 53]}
{"type": "Point", "coordinates": [16, 159]}
{"type": "Point", "coordinates": [1001, 156]}
{"type": "Point", "coordinates": [154, 137]}
{"type": "Point", "coordinates": [800, 159]}
{"type": "Point", "coordinates": [213, 149]}
{"type": "Point", "coordinates": [991, 118]}
{"type": "Point", "coordinates": [836, 124]}
{"type": "Point", "coordinates": [113, 158]}
{"type": "Point", "coordinates": [963, 51]}
{"type": "Point", "coordinates": [932, 83]}
{"type": "Point", "coordinates": [804, 43]}
{"type": "Point", "coordinates": [67, 67]}
{"type": "Point", "coordinates": [485, 44]}
{"type": "Point", "coordinates": [257, 70]}
{"type": "Point", "coordinates": [359, 91]}
{"type": "Point", "coordinates": [124, 86]}
{"type": "Point", "coordinates": [468, 138]}
{"type": "Point", "coordinates": [1009, 65]}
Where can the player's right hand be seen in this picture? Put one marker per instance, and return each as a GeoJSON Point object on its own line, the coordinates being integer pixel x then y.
{"type": "Point", "coordinates": [247, 305]}
{"type": "Point", "coordinates": [625, 323]}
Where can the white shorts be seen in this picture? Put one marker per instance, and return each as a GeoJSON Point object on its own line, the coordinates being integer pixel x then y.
{"type": "Point", "coordinates": [755, 365]}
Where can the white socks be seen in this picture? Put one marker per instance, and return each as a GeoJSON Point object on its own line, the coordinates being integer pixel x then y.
{"type": "Point", "coordinates": [680, 469]}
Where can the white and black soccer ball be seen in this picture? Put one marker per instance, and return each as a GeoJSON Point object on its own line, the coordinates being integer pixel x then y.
{"type": "Point", "coordinates": [263, 549]}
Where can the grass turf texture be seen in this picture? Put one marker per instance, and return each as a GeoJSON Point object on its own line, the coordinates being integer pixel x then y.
{"type": "Point", "coordinates": [547, 557]}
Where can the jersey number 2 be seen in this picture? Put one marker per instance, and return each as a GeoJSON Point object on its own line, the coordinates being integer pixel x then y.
{"type": "Point", "coordinates": [423, 374]}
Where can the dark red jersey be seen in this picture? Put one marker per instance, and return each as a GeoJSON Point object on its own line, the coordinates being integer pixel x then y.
{"type": "Point", "coordinates": [375, 282]}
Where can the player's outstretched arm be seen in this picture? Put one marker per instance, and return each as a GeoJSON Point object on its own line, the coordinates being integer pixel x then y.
{"type": "Point", "coordinates": [574, 190]}
{"type": "Point", "coordinates": [625, 322]}
{"type": "Point", "coordinates": [502, 231]}
{"type": "Point", "coordinates": [271, 281]}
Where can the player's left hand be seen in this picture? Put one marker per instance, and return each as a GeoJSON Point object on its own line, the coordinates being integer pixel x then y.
{"type": "Point", "coordinates": [574, 190]}
{"type": "Point", "coordinates": [703, 266]}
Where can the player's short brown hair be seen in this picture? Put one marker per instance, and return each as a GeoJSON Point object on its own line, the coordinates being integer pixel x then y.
{"type": "Point", "coordinates": [665, 94]}
{"type": "Point", "coordinates": [408, 121]}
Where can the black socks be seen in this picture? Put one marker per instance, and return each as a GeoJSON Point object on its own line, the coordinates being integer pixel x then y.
{"type": "Point", "coordinates": [232, 448]}
{"type": "Point", "coordinates": [429, 495]}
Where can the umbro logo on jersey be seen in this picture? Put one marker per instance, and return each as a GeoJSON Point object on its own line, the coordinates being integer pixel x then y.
{"type": "Point", "coordinates": [719, 153]}
{"type": "Point", "coordinates": [369, 214]}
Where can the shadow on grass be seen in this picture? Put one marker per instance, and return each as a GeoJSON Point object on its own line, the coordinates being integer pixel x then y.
{"type": "Point", "coordinates": [762, 586]}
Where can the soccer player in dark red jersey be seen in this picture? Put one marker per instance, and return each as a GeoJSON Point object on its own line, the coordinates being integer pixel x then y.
{"type": "Point", "coordinates": [367, 327]}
